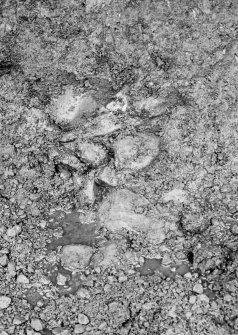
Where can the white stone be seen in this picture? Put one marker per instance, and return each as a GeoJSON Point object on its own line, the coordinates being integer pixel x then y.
{"type": "Point", "coordinates": [91, 153]}
{"type": "Point", "coordinates": [70, 106]}
{"type": "Point", "coordinates": [125, 209]}
{"type": "Point", "coordinates": [75, 257]}
{"type": "Point", "coordinates": [18, 320]}
{"type": "Point", "coordinates": [198, 288]}
{"type": "Point", "coordinates": [4, 301]}
{"type": "Point", "coordinates": [176, 195]}
{"type": "Point", "coordinates": [103, 124]}
{"type": "Point", "coordinates": [192, 299]}
{"type": "Point", "coordinates": [3, 260]}
{"type": "Point", "coordinates": [83, 319]}
{"type": "Point", "coordinates": [11, 269]}
{"type": "Point", "coordinates": [108, 176]}
{"type": "Point", "coordinates": [89, 191]}
{"type": "Point", "coordinates": [136, 153]}
{"type": "Point", "coordinates": [36, 324]}
{"type": "Point", "coordinates": [22, 279]}
{"type": "Point", "coordinates": [61, 280]}
{"type": "Point", "coordinates": [14, 231]}
{"type": "Point", "coordinates": [79, 329]}
{"type": "Point", "coordinates": [60, 331]}
{"type": "Point", "coordinates": [83, 293]}
{"type": "Point", "coordinates": [153, 106]}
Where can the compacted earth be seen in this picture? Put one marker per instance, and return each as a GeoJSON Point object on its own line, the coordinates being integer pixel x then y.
{"type": "Point", "coordinates": [118, 167]}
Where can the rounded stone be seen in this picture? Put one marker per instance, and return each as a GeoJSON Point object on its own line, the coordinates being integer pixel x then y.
{"type": "Point", "coordinates": [83, 319]}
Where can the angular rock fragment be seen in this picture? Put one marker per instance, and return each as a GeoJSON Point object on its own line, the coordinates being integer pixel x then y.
{"type": "Point", "coordinates": [69, 107]}
{"type": "Point", "coordinates": [136, 153]}
{"type": "Point", "coordinates": [126, 209]}
{"type": "Point", "coordinates": [108, 176]}
{"type": "Point", "coordinates": [76, 257]}
{"type": "Point", "coordinates": [152, 107]}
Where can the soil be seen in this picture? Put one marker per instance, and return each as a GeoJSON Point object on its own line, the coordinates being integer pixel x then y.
{"type": "Point", "coordinates": [118, 167]}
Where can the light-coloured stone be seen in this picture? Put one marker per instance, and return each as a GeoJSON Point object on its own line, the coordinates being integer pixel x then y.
{"type": "Point", "coordinates": [18, 320]}
{"type": "Point", "coordinates": [60, 331]}
{"type": "Point", "coordinates": [91, 153]}
{"type": "Point", "coordinates": [136, 153]}
{"type": "Point", "coordinates": [14, 231]}
{"type": "Point", "coordinates": [192, 299]}
{"type": "Point", "coordinates": [176, 195]}
{"type": "Point", "coordinates": [108, 176]}
{"type": "Point", "coordinates": [22, 279]}
{"type": "Point", "coordinates": [3, 260]}
{"type": "Point", "coordinates": [4, 301]}
{"type": "Point", "coordinates": [104, 124]}
{"type": "Point", "coordinates": [88, 194]}
{"type": "Point", "coordinates": [119, 103]}
{"type": "Point", "coordinates": [61, 279]}
{"type": "Point", "coordinates": [128, 210]}
{"type": "Point", "coordinates": [83, 293]}
{"type": "Point", "coordinates": [36, 324]}
{"type": "Point", "coordinates": [83, 319]}
{"type": "Point", "coordinates": [75, 257]}
{"type": "Point", "coordinates": [79, 329]}
{"type": "Point", "coordinates": [153, 106]}
{"type": "Point", "coordinates": [69, 107]}
{"type": "Point", "coordinates": [197, 288]}
{"type": "Point", "coordinates": [11, 267]}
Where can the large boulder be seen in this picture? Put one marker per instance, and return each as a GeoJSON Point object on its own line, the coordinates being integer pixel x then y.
{"type": "Point", "coordinates": [136, 153]}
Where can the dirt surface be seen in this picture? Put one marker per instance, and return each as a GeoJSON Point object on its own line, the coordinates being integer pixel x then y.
{"type": "Point", "coordinates": [118, 167]}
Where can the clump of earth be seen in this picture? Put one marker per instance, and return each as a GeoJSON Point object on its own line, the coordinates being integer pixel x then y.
{"type": "Point", "coordinates": [118, 167]}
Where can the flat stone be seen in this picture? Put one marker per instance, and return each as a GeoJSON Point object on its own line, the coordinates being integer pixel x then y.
{"type": "Point", "coordinates": [4, 301]}
{"type": "Point", "coordinates": [36, 324]}
{"type": "Point", "coordinates": [88, 194]}
{"type": "Point", "coordinates": [22, 279]}
{"type": "Point", "coordinates": [83, 319]}
{"type": "Point", "coordinates": [136, 153]}
{"type": "Point", "coordinates": [76, 257]}
{"type": "Point", "coordinates": [83, 293]}
{"type": "Point", "coordinates": [125, 209]}
{"type": "Point", "coordinates": [69, 107]}
{"type": "Point", "coordinates": [91, 153]}
{"type": "Point", "coordinates": [18, 320]}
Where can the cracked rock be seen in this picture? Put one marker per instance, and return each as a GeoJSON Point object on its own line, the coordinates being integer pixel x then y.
{"type": "Point", "coordinates": [76, 257]}
{"type": "Point", "coordinates": [136, 153]}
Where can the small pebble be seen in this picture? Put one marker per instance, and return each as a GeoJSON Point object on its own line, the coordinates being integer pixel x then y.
{"type": "Point", "coordinates": [227, 297]}
{"type": "Point", "coordinates": [83, 293]}
{"type": "Point", "coordinates": [204, 298]}
{"type": "Point", "coordinates": [11, 269]}
{"type": "Point", "coordinates": [83, 319]}
{"type": "Point", "coordinates": [197, 288]}
{"type": "Point", "coordinates": [36, 324]}
{"type": "Point", "coordinates": [22, 279]}
{"type": "Point", "coordinates": [4, 301]}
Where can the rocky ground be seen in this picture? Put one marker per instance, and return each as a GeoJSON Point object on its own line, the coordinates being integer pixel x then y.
{"type": "Point", "coordinates": [118, 167]}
